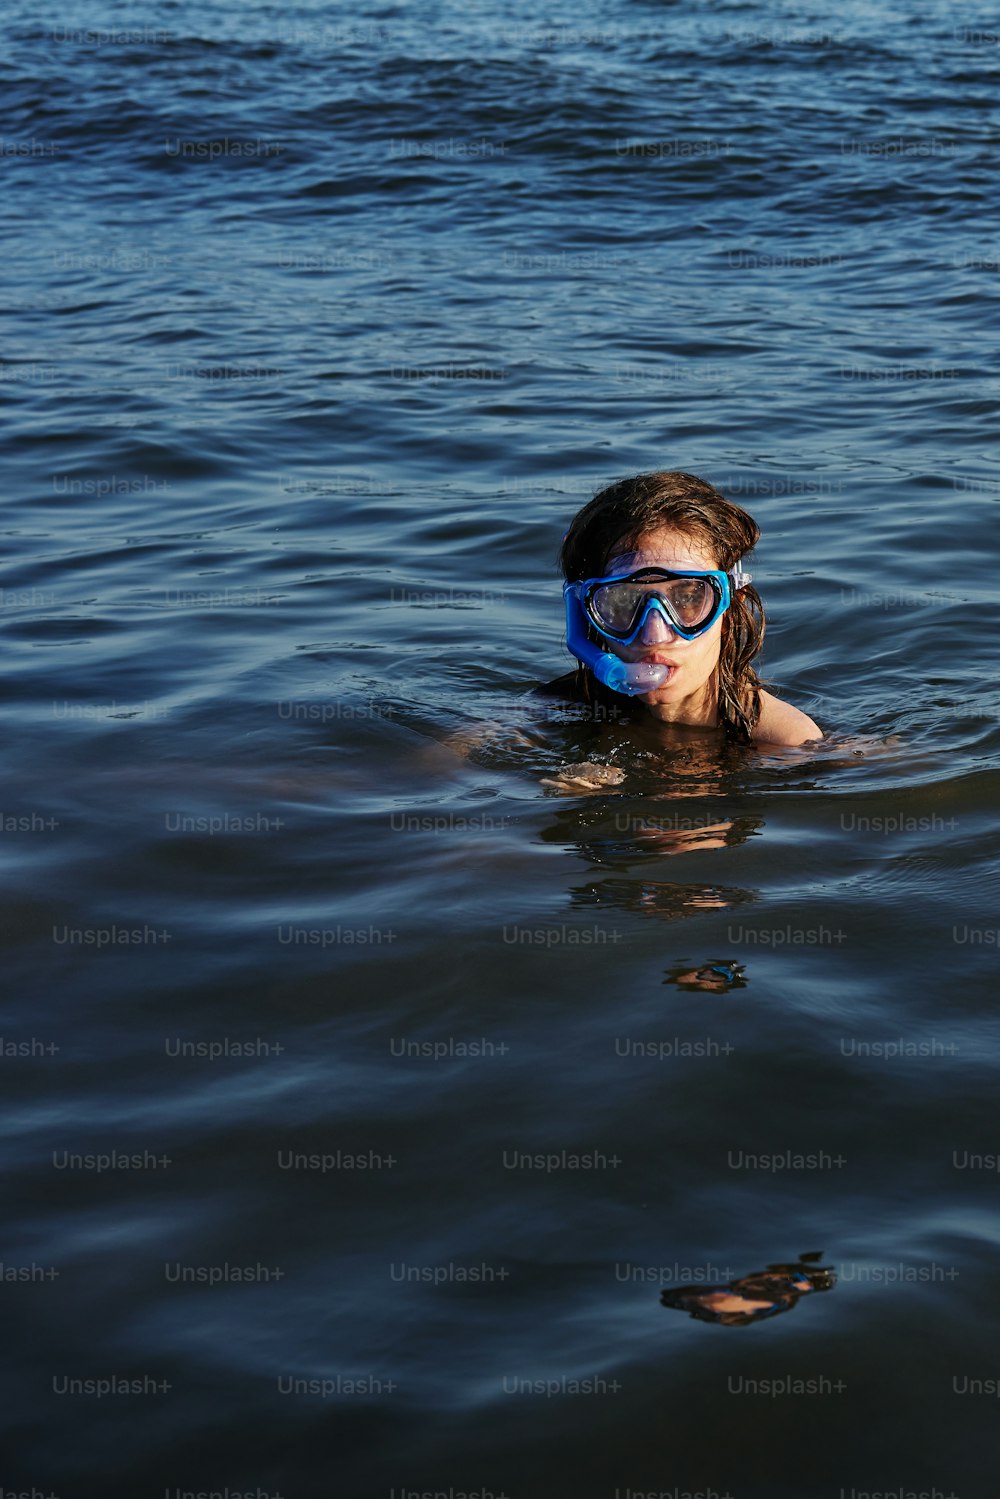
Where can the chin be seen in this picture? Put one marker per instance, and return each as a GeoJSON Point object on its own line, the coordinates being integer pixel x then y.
{"type": "Point", "coordinates": [664, 694]}
{"type": "Point", "coordinates": [679, 691]}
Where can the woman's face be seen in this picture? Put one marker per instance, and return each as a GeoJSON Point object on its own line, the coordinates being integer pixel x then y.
{"type": "Point", "coordinates": [686, 692]}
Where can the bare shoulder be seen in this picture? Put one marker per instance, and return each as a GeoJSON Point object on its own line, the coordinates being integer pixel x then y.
{"type": "Point", "coordinates": [780, 723]}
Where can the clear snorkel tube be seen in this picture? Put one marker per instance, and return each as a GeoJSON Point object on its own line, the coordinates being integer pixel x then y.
{"type": "Point", "coordinates": [630, 677]}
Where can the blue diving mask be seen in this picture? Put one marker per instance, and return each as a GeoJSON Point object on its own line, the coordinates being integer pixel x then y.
{"type": "Point", "coordinates": [617, 608]}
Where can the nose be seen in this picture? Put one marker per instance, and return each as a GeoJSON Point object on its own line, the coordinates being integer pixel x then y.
{"type": "Point", "coordinates": [655, 630]}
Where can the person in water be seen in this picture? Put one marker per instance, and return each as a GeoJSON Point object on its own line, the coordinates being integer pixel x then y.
{"type": "Point", "coordinates": [660, 609]}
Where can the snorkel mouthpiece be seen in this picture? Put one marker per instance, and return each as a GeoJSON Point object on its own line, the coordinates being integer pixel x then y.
{"type": "Point", "coordinates": [629, 677]}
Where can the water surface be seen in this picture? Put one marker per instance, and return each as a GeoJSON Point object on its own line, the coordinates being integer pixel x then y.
{"type": "Point", "coordinates": [319, 329]}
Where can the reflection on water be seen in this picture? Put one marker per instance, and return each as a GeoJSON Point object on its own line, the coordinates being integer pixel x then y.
{"type": "Point", "coordinates": [753, 1297]}
{"type": "Point", "coordinates": [653, 837]}
{"type": "Point", "coordinates": [641, 838]}
{"type": "Point", "coordinates": [717, 976]}
{"type": "Point", "coordinates": [657, 898]}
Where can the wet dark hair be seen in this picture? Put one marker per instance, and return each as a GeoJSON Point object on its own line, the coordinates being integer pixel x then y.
{"type": "Point", "coordinates": [615, 520]}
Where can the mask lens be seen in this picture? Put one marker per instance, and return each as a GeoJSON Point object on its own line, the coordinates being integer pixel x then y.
{"type": "Point", "coordinates": [617, 606]}
{"type": "Point", "coordinates": [692, 600]}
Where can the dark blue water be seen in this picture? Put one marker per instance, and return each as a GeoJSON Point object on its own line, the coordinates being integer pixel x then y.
{"type": "Point", "coordinates": [365, 1129]}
